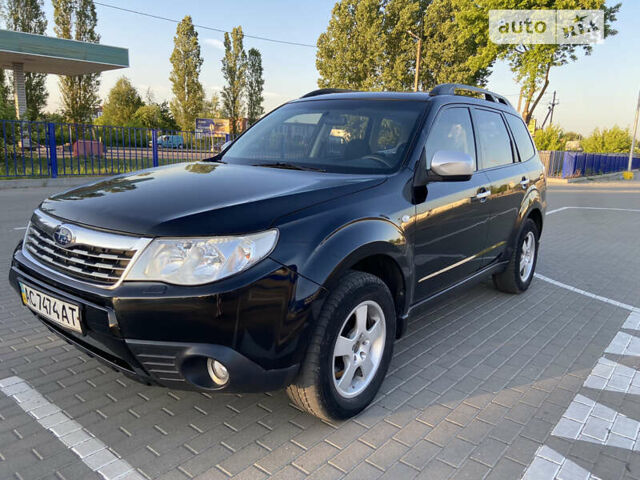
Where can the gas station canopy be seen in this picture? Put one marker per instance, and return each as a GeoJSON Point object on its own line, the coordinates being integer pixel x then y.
{"type": "Point", "coordinates": [27, 52]}
{"type": "Point", "coordinates": [41, 54]}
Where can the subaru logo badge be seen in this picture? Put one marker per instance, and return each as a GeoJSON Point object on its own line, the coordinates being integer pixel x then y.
{"type": "Point", "coordinates": [63, 236]}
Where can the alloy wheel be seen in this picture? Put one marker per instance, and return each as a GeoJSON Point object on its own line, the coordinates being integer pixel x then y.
{"type": "Point", "coordinates": [358, 350]}
{"type": "Point", "coordinates": [527, 256]}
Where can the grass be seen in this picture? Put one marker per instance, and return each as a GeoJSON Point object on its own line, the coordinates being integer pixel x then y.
{"type": "Point", "coordinates": [36, 166]}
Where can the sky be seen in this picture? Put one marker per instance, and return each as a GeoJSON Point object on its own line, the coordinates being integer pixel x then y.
{"type": "Point", "coordinates": [596, 91]}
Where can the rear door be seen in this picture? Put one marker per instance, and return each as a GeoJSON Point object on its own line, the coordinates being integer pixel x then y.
{"type": "Point", "coordinates": [530, 167]}
{"type": "Point", "coordinates": [451, 225]}
{"type": "Point", "coordinates": [499, 160]}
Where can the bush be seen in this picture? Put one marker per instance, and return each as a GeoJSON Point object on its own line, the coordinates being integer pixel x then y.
{"type": "Point", "coordinates": [551, 138]}
{"type": "Point", "coordinates": [613, 140]}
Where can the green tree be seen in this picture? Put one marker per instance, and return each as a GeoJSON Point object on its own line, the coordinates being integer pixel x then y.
{"type": "Point", "coordinates": [122, 102]}
{"type": "Point", "coordinates": [351, 51]}
{"type": "Point", "coordinates": [370, 44]}
{"type": "Point", "coordinates": [550, 138]}
{"type": "Point", "coordinates": [211, 107]}
{"type": "Point", "coordinates": [255, 86]}
{"type": "Point", "coordinates": [234, 71]}
{"type": "Point", "coordinates": [155, 115]}
{"type": "Point", "coordinates": [77, 20]}
{"type": "Point", "coordinates": [456, 47]}
{"type": "Point", "coordinates": [571, 136]}
{"type": "Point", "coordinates": [367, 45]}
{"type": "Point", "coordinates": [7, 109]}
{"type": "Point", "coordinates": [188, 94]}
{"type": "Point", "coordinates": [28, 16]}
{"type": "Point", "coordinates": [612, 140]}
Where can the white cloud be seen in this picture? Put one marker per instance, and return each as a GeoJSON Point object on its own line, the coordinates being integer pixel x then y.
{"type": "Point", "coordinates": [214, 42]}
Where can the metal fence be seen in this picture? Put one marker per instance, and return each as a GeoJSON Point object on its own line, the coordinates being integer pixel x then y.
{"type": "Point", "coordinates": [43, 149]}
{"type": "Point", "coordinates": [579, 164]}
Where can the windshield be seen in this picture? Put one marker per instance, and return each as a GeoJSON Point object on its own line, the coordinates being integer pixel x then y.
{"type": "Point", "coordinates": [346, 136]}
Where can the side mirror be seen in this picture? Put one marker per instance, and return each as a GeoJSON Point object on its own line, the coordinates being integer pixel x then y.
{"type": "Point", "coordinates": [225, 145]}
{"type": "Point", "coordinates": [451, 166]}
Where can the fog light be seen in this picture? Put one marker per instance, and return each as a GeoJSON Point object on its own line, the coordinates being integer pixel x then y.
{"type": "Point", "coordinates": [217, 371]}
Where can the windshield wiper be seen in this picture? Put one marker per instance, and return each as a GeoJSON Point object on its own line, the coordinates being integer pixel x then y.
{"type": "Point", "coordinates": [216, 158]}
{"type": "Point", "coordinates": [289, 166]}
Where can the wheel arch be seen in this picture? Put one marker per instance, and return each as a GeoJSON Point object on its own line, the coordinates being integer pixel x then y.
{"type": "Point", "coordinates": [375, 246]}
{"type": "Point", "coordinates": [535, 214]}
{"type": "Point", "coordinates": [387, 269]}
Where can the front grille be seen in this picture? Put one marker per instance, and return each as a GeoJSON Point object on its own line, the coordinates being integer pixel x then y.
{"type": "Point", "coordinates": [91, 257]}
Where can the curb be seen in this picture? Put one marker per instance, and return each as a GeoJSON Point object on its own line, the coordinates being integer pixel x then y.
{"type": "Point", "coordinates": [592, 178]}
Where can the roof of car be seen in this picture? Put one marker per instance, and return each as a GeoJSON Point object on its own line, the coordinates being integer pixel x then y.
{"type": "Point", "coordinates": [346, 94]}
{"type": "Point", "coordinates": [444, 93]}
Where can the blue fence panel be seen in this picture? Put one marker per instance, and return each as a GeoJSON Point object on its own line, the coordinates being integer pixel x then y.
{"type": "Point", "coordinates": [41, 149]}
{"type": "Point", "coordinates": [576, 164]}
{"type": "Point", "coordinates": [568, 164]}
{"type": "Point", "coordinates": [604, 166]}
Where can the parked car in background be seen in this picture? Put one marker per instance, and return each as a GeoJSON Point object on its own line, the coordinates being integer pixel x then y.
{"type": "Point", "coordinates": [295, 257]}
{"type": "Point", "coordinates": [170, 141]}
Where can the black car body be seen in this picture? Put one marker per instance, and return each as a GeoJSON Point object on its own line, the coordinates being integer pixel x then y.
{"type": "Point", "coordinates": [422, 236]}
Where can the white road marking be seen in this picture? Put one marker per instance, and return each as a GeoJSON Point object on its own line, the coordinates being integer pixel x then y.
{"type": "Point", "coordinates": [550, 212]}
{"type": "Point", "coordinates": [589, 421]}
{"type": "Point", "coordinates": [19, 228]}
{"type": "Point", "coordinates": [588, 294]}
{"type": "Point", "coordinates": [95, 454]}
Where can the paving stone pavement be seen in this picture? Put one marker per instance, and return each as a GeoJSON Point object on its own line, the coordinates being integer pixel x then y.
{"type": "Point", "coordinates": [474, 391]}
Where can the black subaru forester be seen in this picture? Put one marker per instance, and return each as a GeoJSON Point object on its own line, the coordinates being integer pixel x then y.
{"type": "Point", "coordinates": [295, 257]}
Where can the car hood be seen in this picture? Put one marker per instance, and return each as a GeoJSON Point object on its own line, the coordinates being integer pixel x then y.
{"type": "Point", "coordinates": [200, 198]}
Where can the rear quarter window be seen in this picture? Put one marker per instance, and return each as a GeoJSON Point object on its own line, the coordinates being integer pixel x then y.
{"type": "Point", "coordinates": [522, 137]}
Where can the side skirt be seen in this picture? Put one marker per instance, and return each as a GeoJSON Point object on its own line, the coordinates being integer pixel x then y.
{"type": "Point", "coordinates": [447, 292]}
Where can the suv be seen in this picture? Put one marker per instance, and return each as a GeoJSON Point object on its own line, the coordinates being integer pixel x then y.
{"type": "Point", "coordinates": [295, 257]}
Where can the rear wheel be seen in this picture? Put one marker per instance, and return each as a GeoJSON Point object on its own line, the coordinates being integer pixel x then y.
{"type": "Point", "coordinates": [350, 350]}
{"type": "Point", "coordinates": [522, 264]}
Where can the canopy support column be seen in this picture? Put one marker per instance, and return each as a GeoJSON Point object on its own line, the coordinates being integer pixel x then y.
{"type": "Point", "coordinates": [19, 92]}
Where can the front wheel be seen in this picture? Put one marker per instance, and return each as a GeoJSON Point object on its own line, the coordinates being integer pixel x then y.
{"type": "Point", "coordinates": [350, 350]}
{"type": "Point", "coordinates": [522, 265]}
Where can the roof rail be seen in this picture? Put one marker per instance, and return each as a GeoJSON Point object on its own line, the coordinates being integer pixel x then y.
{"type": "Point", "coordinates": [326, 91]}
{"type": "Point", "coordinates": [450, 89]}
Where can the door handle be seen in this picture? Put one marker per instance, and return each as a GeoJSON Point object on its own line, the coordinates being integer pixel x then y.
{"type": "Point", "coordinates": [524, 182]}
{"type": "Point", "coordinates": [483, 195]}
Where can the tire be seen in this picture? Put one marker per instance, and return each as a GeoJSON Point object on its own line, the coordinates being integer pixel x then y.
{"type": "Point", "coordinates": [317, 388]}
{"type": "Point", "coordinates": [513, 280]}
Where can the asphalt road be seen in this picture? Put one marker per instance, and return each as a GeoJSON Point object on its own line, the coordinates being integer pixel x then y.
{"type": "Point", "coordinates": [486, 385]}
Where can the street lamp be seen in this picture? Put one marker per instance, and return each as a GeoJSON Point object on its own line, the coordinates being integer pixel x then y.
{"type": "Point", "coordinates": [629, 175]}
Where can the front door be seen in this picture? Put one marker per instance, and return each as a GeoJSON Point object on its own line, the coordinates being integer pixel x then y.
{"type": "Point", "coordinates": [451, 225]}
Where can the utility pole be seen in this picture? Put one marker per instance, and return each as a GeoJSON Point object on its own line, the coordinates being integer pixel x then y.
{"type": "Point", "coordinates": [552, 106]}
{"type": "Point", "coordinates": [418, 57]}
{"type": "Point", "coordinates": [634, 133]}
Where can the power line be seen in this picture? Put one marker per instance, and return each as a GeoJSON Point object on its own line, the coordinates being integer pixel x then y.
{"type": "Point", "coordinates": [204, 27]}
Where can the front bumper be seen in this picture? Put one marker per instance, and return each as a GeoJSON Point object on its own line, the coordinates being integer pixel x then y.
{"type": "Point", "coordinates": [159, 334]}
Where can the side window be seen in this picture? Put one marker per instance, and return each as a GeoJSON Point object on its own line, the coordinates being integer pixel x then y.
{"type": "Point", "coordinates": [451, 130]}
{"type": "Point", "coordinates": [493, 139]}
{"type": "Point", "coordinates": [521, 136]}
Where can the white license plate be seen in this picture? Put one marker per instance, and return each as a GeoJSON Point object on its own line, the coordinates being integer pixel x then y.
{"type": "Point", "coordinates": [62, 313]}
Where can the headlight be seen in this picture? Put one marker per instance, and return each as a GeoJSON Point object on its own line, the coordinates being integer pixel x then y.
{"type": "Point", "coordinates": [195, 261]}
